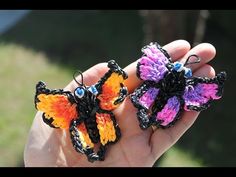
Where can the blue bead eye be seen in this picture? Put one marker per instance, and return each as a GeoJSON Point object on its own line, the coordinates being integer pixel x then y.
{"type": "Point", "coordinates": [188, 72]}
{"type": "Point", "coordinates": [178, 66]}
{"type": "Point", "coordinates": [79, 92]}
{"type": "Point", "coordinates": [93, 90]}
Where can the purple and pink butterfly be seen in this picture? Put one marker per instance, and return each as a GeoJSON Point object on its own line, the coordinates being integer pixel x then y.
{"type": "Point", "coordinates": [169, 88]}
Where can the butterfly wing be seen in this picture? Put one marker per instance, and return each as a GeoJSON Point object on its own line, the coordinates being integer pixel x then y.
{"type": "Point", "coordinates": [109, 132]}
{"type": "Point", "coordinates": [153, 65]}
{"type": "Point", "coordinates": [167, 111]}
{"type": "Point", "coordinates": [143, 98]}
{"type": "Point", "coordinates": [82, 142]}
{"type": "Point", "coordinates": [111, 89]}
{"type": "Point", "coordinates": [200, 92]}
{"type": "Point", "coordinates": [154, 109]}
{"type": "Point", "coordinates": [80, 137]}
{"type": "Point", "coordinates": [58, 106]}
{"type": "Point", "coordinates": [108, 128]}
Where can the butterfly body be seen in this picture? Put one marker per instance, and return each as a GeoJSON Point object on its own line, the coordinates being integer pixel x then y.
{"type": "Point", "coordinates": [87, 112]}
{"type": "Point", "coordinates": [169, 88]}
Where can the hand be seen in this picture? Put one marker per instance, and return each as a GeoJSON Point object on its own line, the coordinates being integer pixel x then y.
{"type": "Point", "coordinates": [52, 147]}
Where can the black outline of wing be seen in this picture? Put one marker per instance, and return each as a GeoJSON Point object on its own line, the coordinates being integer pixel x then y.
{"type": "Point", "coordinates": [219, 79]}
{"type": "Point", "coordinates": [41, 89]}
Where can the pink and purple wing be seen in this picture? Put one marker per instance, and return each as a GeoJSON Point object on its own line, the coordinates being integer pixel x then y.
{"type": "Point", "coordinates": [201, 92]}
{"type": "Point", "coordinates": [152, 66]}
{"type": "Point", "coordinates": [143, 98]}
{"type": "Point", "coordinates": [168, 113]}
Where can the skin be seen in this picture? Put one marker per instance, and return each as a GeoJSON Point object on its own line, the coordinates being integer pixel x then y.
{"type": "Point", "coordinates": [53, 147]}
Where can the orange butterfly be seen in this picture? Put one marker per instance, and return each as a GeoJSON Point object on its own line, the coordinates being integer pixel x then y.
{"type": "Point", "coordinates": [86, 113]}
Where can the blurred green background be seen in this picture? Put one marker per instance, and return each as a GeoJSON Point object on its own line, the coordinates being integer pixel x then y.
{"type": "Point", "coordinates": [51, 45]}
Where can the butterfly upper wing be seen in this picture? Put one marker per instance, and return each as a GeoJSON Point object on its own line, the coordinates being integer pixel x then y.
{"type": "Point", "coordinates": [200, 92]}
{"type": "Point", "coordinates": [153, 65]}
{"type": "Point", "coordinates": [111, 89]}
{"type": "Point", "coordinates": [58, 106]}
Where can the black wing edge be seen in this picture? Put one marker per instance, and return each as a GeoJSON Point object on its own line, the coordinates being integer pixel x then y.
{"type": "Point", "coordinates": [114, 67]}
{"type": "Point", "coordinates": [89, 152]}
{"type": "Point", "coordinates": [219, 79]}
{"type": "Point", "coordinates": [177, 117]}
{"type": "Point", "coordinates": [41, 89]}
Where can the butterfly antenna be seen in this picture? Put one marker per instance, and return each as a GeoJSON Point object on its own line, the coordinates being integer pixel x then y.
{"type": "Point", "coordinates": [82, 78]}
{"type": "Point", "coordinates": [188, 62]}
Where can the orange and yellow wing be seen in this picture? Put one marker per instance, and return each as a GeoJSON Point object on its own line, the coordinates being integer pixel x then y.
{"type": "Point", "coordinates": [111, 89]}
{"type": "Point", "coordinates": [80, 137]}
{"type": "Point", "coordinates": [58, 106]}
{"type": "Point", "coordinates": [108, 128]}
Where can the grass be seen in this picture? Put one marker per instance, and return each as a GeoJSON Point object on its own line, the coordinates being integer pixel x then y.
{"type": "Point", "coordinates": [20, 70]}
{"type": "Point", "coordinates": [176, 157]}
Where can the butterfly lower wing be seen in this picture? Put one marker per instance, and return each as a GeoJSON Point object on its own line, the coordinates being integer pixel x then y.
{"type": "Point", "coordinates": [152, 66]}
{"type": "Point", "coordinates": [143, 99]}
{"type": "Point", "coordinates": [58, 107]}
{"type": "Point", "coordinates": [111, 89]}
{"type": "Point", "coordinates": [167, 113]}
{"type": "Point", "coordinates": [109, 132]}
{"type": "Point", "coordinates": [82, 142]}
{"type": "Point", "coordinates": [202, 91]}
{"type": "Point", "coordinates": [80, 137]}
{"type": "Point", "coordinates": [108, 128]}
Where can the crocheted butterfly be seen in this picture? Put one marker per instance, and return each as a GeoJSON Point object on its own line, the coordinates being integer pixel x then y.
{"type": "Point", "coordinates": [169, 88]}
{"type": "Point", "coordinates": [86, 113]}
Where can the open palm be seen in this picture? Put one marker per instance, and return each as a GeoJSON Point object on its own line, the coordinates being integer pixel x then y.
{"type": "Point", "coordinates": [136, 147]}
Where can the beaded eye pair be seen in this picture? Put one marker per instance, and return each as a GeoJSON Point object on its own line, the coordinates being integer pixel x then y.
{"type": "Point", "coordinates": [167, 90]}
